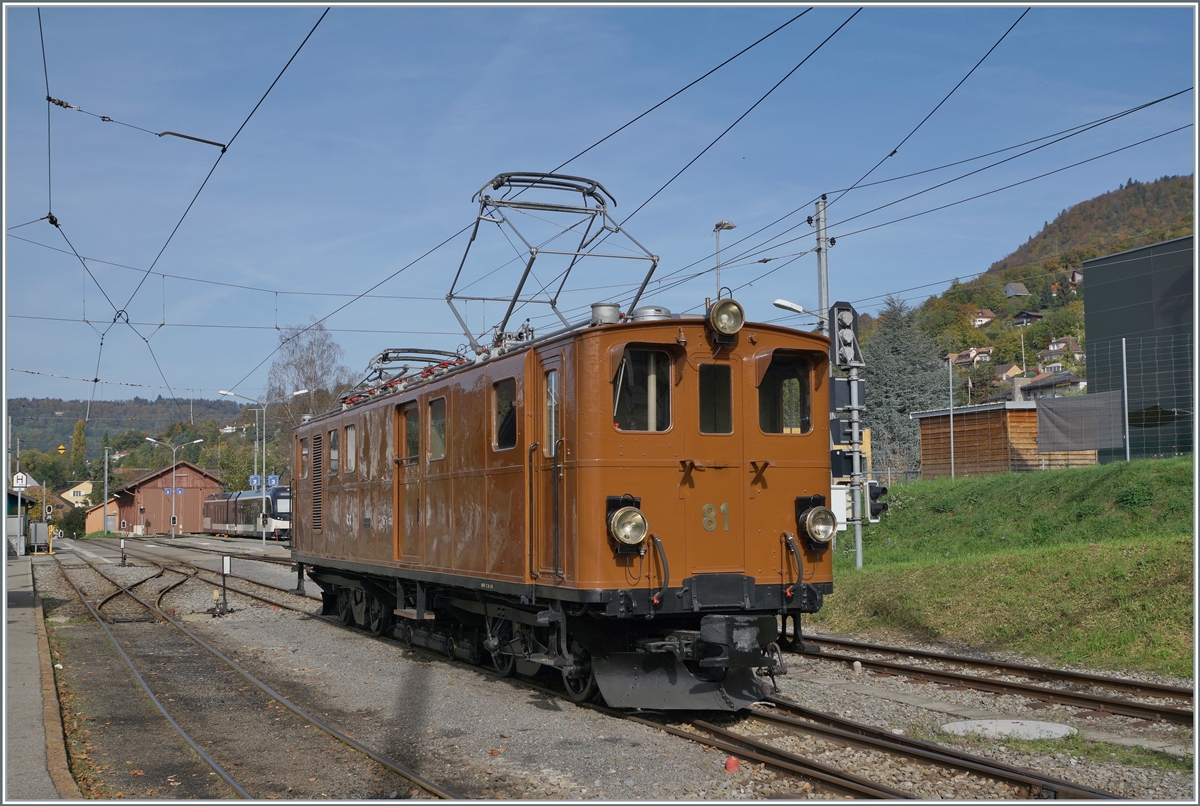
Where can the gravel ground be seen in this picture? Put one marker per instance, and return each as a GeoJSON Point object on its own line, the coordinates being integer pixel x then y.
{"type": "Point", "coordinates": [490, 738]}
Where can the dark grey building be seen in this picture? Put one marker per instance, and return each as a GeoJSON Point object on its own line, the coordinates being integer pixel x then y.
{"type": "Point", "coordinates": [1138, 314]}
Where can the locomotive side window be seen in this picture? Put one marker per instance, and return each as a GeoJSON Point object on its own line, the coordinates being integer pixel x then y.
{"type": "Point", "coordinates": [716, 399]}
{"type": "Point", "coordinates": [351, 448]}
{"type": "Point", "coordinates": [505, 392]}
{"type": "Point", "coordinates": [642, 391]}
{"type": "Point", "coordinates": [412, 436]}
{"type": "Point", "coordinates": [303, 457]}
{"type": "Point", "coordinates": [551, 445]}
{"type": "Point", "coordinates": [784, 405]}
{"type": "Point", "coordinates": [333, 452]}
{"type": "Point", "coordinates": [437, 428]}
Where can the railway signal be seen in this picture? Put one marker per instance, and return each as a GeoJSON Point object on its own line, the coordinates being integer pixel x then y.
{"type": "Point", "coordinates": [875, 507]}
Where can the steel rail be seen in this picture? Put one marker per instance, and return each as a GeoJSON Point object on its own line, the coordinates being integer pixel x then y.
{"type": "Point", "coordinates": [744, 747]}
{"type": "Point", "coordinates": [845, 730]}
{"type": "Point", "coordinates": [1092, 702]}
{"type": "Point", "coordinates": [155, 561]}
{"type": "Point", "coordinates": [428, 786]}
{"type": "Point", "coordinates": [191, 743]}
{"type": "Point", "coordinates": [1036, 672]}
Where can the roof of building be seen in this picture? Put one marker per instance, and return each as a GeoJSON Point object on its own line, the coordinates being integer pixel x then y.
{"type": "Point", "coordinates": [153, 474]}
{"type": "Point", "coordinates": [1051, 379]}
{"type": "Point", "coordinates": [1016, 290]}
{"type": "Point", "coordinates": [1010, 406]}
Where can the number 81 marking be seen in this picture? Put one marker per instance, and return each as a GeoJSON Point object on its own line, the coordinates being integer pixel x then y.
{"type": "Point", "coordinates": [709, 521]}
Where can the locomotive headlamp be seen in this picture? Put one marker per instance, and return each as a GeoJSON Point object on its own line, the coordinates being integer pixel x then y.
{"type": "Point", "coordinates": [628, 526]}
{"type": "Point", "coordinates": [726, 317]}
{"type": "Point", "coordinates": [819, 523]}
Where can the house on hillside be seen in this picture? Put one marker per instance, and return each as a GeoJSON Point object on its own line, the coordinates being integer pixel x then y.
{"type": "Point", "coordinates": [1016, 290]}
{"type": "Point", "coordinates": [1007, 372]}
{"type": "Point", "coordinates": [1052, 384]}
{"type": "Point", "coordinates": [1059, 350]}
{"type": "Point", "coordinates": [1026, 318]}
{"type": "Point", "coordinates": [983, 318]}
{"type": "Point", "coordinates": [971, 357]}
{"type": "Point", "coordinates": [78, 494]}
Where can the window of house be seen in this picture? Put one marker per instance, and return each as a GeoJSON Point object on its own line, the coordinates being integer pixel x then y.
{"type": "Point", "coordinates": [333, 452]}
{"type": "Point", "coordinates": [716, 399]}
{"type": "Point", "coordinates": [303, 457]}
{"type": "Point", "coordinates": [351, 449]}
{"type": "Point", "coordinates": [642, 391]}
{"type": "Point", "coordinates": [505, 393]}
{"type": "Point", "coordinates": [784, 404]}
{"type": "Point", "coordinates": [551, 444]}
{"type": "Point", "coordinates": [437, 428]}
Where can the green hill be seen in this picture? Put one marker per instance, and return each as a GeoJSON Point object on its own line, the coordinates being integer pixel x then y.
{"type": "Point", "coordinates": [1089, 565]}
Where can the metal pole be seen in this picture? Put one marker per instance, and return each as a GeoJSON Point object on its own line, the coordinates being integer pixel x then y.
{"type": "Point", "coordinates": [106, 450]}
{"type": "Point", "coordinates": [717, 231]}
{"type": "Point", "coordinates": [1125, 394]}
{"type": "Point", "coordinates": [822, 268]}
{"type": "Point", "coordinates": [856, 473]}
{"type": "Point", "coordinates": [263, 478]}
{"type": "Point", "coordinates": [174, 464]}
{"type": "Point", "coordinates": [950, 366]}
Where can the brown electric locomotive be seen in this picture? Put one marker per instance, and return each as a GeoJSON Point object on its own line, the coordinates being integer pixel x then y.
{"type": "Point", "coordinates": [634, 503]}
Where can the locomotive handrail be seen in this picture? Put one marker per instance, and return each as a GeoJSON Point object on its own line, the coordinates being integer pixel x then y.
{"type": "Point", "coordinates": [662, 555]}
{"type": "Point", "coordinates": [558, 443]}
{"type": "Point", "coordinates": [533, 446]}
{"type": "Point", "coordinates": [791, 544]}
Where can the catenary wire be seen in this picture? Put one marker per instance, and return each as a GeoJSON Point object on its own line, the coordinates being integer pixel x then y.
{"type": "Point", "coordinates": [936, 108]}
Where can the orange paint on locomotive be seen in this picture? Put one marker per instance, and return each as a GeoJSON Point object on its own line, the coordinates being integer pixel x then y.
{"type": "Point", "coordinates": [437, 484]}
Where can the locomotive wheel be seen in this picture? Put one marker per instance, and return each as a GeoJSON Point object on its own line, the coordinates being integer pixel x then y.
{"type": "Point", "coordinates": [404, 632]}
{"type": "Point", "coordinates": [378, 617]}
{"type": "Point", "coordinates": [345, 610]}
{"type": "Point", "coordinates": [583, 687]}
{"type": "Point", "coordinates": [505, 665]}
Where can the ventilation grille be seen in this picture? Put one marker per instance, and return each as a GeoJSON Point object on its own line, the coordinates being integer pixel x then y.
{"type": "Point", "coordinates": [318, 480]}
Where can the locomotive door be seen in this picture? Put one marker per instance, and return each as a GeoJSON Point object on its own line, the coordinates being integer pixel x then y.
{"type": "Point", "coordinates": [549, 521]}
{"type": "Point", "coordinates": [408, 497]}
{"type": "Point", "coordinates": [711, 485]}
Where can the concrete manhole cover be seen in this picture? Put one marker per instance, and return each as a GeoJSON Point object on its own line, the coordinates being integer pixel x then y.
{"type": "Point", "coordinates": [1010, 728]}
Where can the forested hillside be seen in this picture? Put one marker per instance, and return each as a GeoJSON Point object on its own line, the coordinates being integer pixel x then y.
{"type": "Point", "coordinates": [45, 423]}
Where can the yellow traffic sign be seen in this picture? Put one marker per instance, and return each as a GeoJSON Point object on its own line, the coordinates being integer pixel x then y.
{"type": "Point", "coordinates": [62, 449]}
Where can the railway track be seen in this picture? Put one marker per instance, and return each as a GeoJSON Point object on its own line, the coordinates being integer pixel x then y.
{"type": "Point", "coordinates": [763, 735]}
{"type": "Point", "coordinates": [1161, 702]}
{"type": "Point", "coordinates": [182, 679]}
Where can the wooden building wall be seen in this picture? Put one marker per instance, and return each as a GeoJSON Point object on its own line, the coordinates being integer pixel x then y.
{"type": "Point", "coordinates": [987, 443]}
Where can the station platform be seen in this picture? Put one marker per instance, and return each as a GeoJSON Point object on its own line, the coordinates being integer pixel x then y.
{"type": "Point", "coordinates": [35, 755]}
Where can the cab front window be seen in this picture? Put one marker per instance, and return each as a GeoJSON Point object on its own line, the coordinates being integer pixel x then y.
{"type": "Point", "coordinates": [642, 391]}
{"type": "Point", "coordinates": [784, 395]}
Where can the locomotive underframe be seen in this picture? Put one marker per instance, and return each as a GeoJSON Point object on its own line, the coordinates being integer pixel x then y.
{"type": "Point", "coordinates": [640, 648]}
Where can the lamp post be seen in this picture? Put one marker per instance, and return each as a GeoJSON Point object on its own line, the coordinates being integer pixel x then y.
{"type": "Point", "coordinates": [263, 481]}
{"type": "Point", "coordinates": [794, 308]}
{"type": "Point", "coordinates": [174, 462]}
{"type": "Point", "coordinates": [720, 225]}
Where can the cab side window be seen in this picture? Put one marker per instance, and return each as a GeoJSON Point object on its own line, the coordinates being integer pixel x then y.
{"type": "Point", "coordinates": [784, 396]}
{"type": "Point", "coordinates": [411, 445]}
{"type": "Point", "coordinates": [642, 391]}
{"type": "Point", "coordinates": [437, 428]}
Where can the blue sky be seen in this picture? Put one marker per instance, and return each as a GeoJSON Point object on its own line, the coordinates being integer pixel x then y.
{"type": "Point", "coordinates": [368, 150]}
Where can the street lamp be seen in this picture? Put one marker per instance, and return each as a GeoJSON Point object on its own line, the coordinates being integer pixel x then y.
{"type": "Point", "coordinates": [174, 462]}
{"type": "Point", "coordinates": [794, 308]}
{"type": "Point", "coordinates": [720, 225]}
{"type": "Point", "coordinates": [263, 481]}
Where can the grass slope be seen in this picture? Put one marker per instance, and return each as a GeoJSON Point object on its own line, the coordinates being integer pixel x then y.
{"type": "Point", "coordinates": [1089, 565]}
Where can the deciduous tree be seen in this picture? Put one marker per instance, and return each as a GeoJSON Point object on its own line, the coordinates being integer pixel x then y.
{"type": "Point", "coordinates": [308, 358]}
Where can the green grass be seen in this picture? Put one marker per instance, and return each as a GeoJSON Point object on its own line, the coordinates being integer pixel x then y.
{"type": "Point", "coordinates": [1088, 565]}
{"type": "Point", "coordinates": [1078, 747]}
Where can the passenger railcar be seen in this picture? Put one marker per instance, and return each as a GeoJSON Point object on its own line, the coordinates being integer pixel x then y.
{"type": "Point", "coordinates": [634, 503]}
{"type": "Point", "coordinates": [241, 513]}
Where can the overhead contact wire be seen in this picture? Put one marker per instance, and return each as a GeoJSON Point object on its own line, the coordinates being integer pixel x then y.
{"type": "Point", "coordinates": [741, 117]}
{"type": "Point", "coordinates": [936, 108]}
